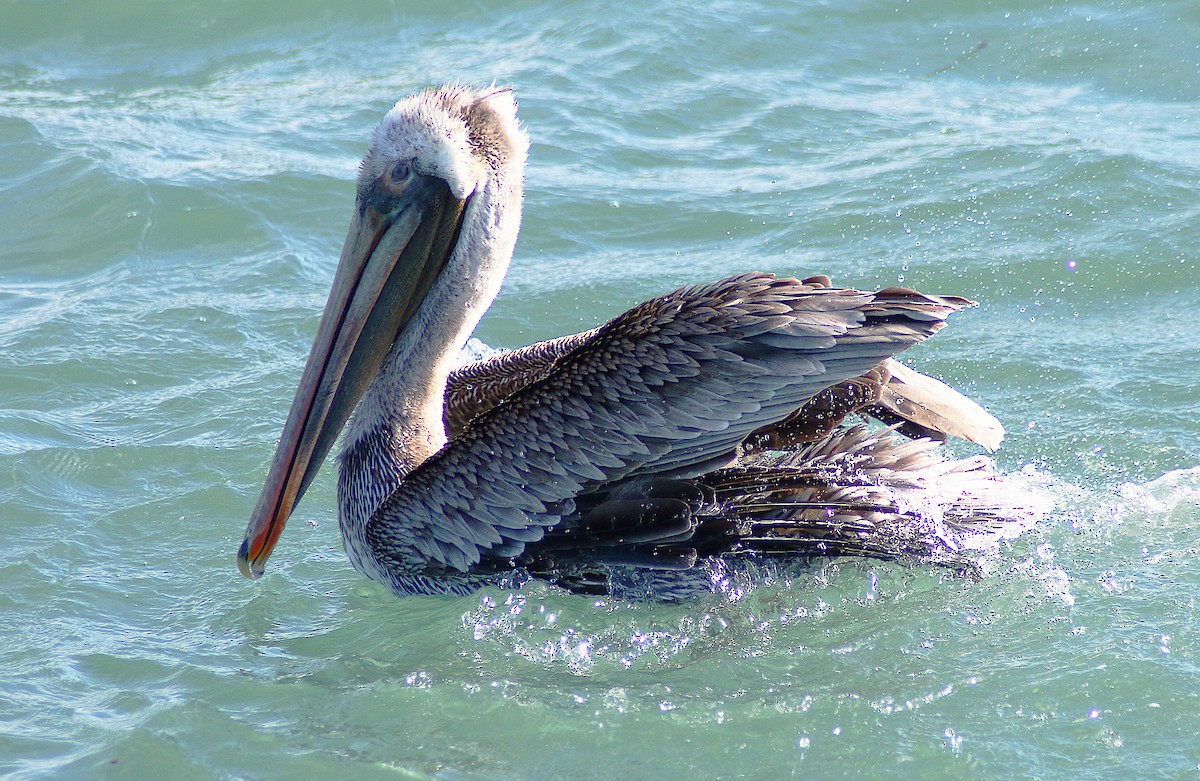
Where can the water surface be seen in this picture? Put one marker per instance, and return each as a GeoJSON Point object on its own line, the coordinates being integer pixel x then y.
{"type": "Point", "coordinates": [175, 182]}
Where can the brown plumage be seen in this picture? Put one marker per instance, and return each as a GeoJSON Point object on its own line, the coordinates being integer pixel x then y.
{"type": "Point", "coordinates": [646, 445]}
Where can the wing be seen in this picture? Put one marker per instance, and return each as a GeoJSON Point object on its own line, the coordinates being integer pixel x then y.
{"type": "Point", "coordinates": [670, 387]}
{"type": "Point", "coordinates": [920, 405]}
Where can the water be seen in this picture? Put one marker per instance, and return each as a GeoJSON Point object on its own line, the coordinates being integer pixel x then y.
{"type": "Point", "coordinates": [175, 181]}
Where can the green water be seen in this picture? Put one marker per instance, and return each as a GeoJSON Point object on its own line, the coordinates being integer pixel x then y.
{"type": "Point", "coordinates": [175, 181]}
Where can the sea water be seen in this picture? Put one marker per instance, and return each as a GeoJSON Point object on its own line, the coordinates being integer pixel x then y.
{"type": "Point", "coordinates": [175, 183]}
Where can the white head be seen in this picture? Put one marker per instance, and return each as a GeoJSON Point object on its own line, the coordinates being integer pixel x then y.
{"type": "Point", "coordinates": [457, 134]}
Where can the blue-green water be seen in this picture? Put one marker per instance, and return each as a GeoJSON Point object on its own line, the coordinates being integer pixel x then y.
{"type": "Point", "coordinates": [175, 180]}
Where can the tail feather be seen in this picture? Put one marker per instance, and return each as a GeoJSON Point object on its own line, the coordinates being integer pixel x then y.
{"type": "Point", "coordinates": [927, 407]}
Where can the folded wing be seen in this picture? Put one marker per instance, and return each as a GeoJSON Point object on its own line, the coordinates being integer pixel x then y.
{"type": "Point", "coordinates": [672, 388]}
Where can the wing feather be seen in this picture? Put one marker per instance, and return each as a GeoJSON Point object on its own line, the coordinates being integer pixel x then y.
{"type": "Point", "coordinates": [672, 385]}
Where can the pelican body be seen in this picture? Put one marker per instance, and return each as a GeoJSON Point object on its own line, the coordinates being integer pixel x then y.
{"type": "Point", "coordinates": [648, 455]}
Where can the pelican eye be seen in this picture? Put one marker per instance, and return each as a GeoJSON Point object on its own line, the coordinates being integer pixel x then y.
{"type": "Point", "coordinates": [397, 176]}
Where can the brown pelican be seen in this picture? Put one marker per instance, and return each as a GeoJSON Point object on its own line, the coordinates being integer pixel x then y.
{"type": "Point", "coordinates": [697, 429]}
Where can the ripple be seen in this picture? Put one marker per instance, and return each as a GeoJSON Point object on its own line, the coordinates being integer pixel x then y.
{"type": "Point", "coordinates": [176, 185]}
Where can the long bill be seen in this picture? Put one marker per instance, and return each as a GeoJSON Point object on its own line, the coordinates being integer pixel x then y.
{"type": "Point", "coordinates": [396, 247]}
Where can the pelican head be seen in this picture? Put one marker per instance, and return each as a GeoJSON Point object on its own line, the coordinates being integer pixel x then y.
{"type": "Point", "coordinates": [429, 212]}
